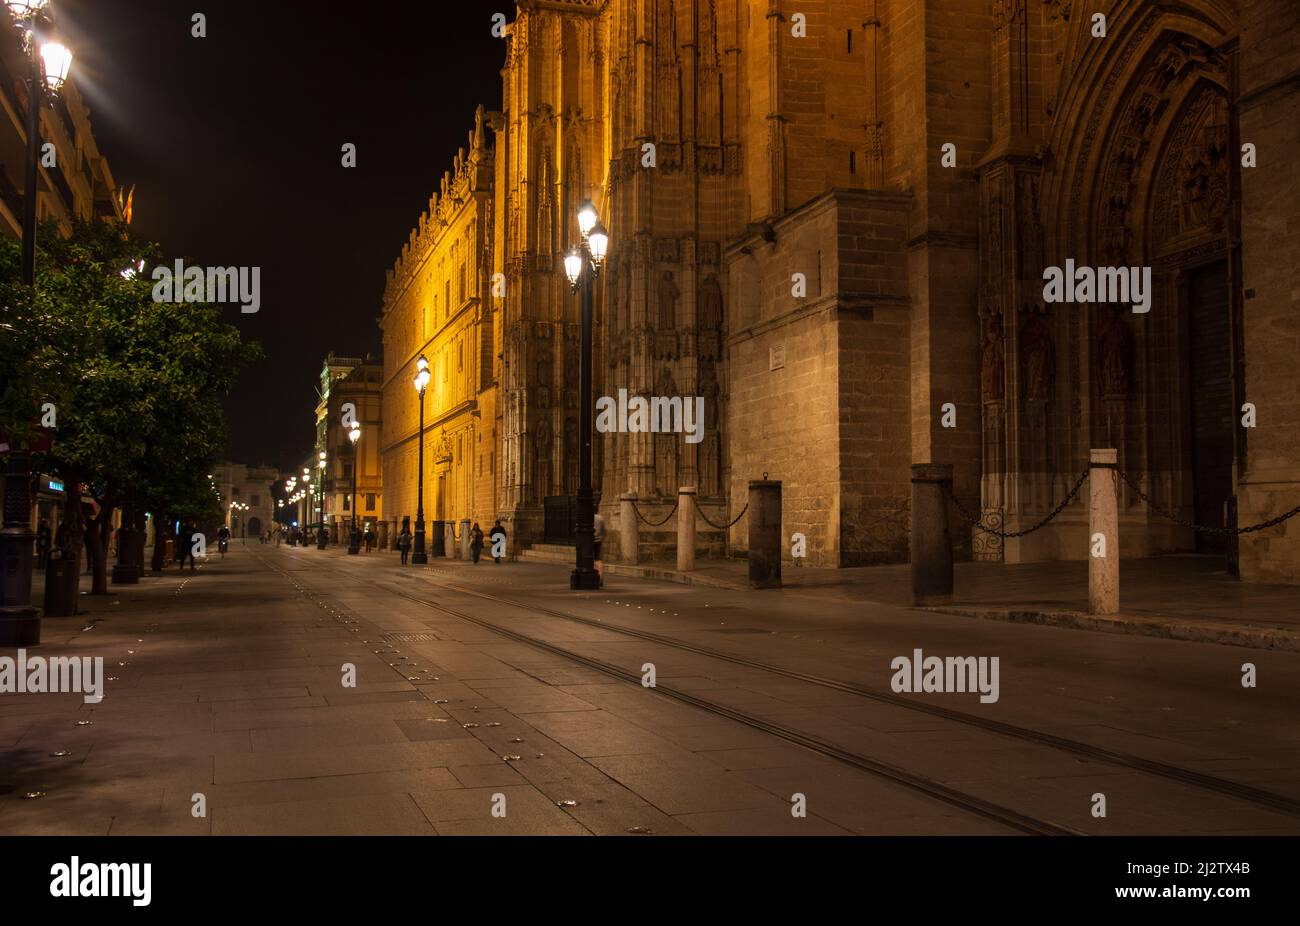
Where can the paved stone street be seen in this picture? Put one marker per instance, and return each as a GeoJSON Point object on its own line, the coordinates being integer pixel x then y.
{"type": "Point", "coordinates": [491, 699]}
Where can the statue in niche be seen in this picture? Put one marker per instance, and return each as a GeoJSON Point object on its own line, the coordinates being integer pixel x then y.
{"type": "Point", "coordinates": [571, 455]}
{"type": "Point", "coordinates": [710, 304]}
{"type": "Point", "coordinates": [545, 190]}
{"type": "Point", "coordinates": [1115, 350]}
{"type": "Point", "coordinates": [992, 360]}
{"type": "Point", "coordinates": [542, 447]}
{"type": "Point", "coordinates": [711, 449]}
{"type": "Point", "coordinates": [668, 294]}
{"type": "Point", "coordinates": [544, 374]}
{"type": "Point", "coordinates": [1037, 355]}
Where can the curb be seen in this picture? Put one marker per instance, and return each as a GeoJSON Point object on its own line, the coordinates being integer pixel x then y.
{"type": "Point", "coordinates": [1168, 628]}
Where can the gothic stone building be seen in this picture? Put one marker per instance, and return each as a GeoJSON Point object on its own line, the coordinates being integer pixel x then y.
{"type": "Point", "coordinates": [831, 220]}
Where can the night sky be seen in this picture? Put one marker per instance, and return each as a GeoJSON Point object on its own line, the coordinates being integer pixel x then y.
{"type": "Point", "coordinates": [234, 144]}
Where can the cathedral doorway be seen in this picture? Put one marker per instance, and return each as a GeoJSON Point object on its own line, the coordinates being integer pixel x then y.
{"type": "Point", "coordinates": [1213, 417]}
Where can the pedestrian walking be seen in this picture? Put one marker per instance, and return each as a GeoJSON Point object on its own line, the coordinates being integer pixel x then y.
{"type": "Point", "coordinates": [370, 538]}
{"type": "Point", "coordinates": [404, 541]}
{"type": "Point", "coordinates": [598, 538]}
{"type": "Point", "coordinates": [475, 542]}
{"type": "Point", "coordinates": [497, 531]}
{"type": "Point", "coordinates": [189, 534]}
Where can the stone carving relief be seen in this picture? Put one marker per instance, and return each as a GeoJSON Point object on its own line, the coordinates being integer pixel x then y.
{"type": "Point", "coordinates": [992, 360]}
{"type": "Point", "coordinates": [1115, 354]}
{"type": "Point", "coordinates": [1037, 355]}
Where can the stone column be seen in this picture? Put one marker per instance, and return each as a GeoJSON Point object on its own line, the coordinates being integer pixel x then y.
{"type": "Point", "coordinates": [1103, 533]}
{"type": "Point", "coordinates": [686, 529]}
{"type": "Point", "coordinates": [628, 529]}
{"type": "Point", "coordinates": [765, 533]}
{"type": "Point", "coordinates": [931, 543]}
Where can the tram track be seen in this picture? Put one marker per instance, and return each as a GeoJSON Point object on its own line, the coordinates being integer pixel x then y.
{"type": "Point", "coordinates": [911, 780]}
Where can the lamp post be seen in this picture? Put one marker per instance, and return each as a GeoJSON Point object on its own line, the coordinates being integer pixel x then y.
{"type": "Point", "coordinates": [582, 267]}
{"type": "Point", "coordinates": [419, 557]}
{"type": "Point", "coordinates": [309, 496]}
{"type": "Point", "coordinates": [20, 623]}
{"type": "Point", "coordinates": [354, 540]}
{"type": "Point", "coordinates": [320, 503]}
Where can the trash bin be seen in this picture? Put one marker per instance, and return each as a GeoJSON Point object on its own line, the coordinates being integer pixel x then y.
{"type": "Point", "coordinates": [61, 579]}
{"type": "Point", "coordinates": [171, 551]}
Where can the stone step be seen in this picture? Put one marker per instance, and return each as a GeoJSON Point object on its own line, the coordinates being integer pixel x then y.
{"type": "Point", "coordinates": [548, 553]}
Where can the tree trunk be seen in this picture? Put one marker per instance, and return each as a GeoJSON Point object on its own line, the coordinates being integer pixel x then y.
{"type": "Point", "coordinates": [161, 531]}
{"type": "Point", "coordinates": [101, 535]}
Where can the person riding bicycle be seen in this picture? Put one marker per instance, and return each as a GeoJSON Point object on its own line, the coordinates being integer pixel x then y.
{"type": "Point", "coordinates": [223, 540]}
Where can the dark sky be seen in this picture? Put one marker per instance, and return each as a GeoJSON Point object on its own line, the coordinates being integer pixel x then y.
{"type": "Point", "coordinates": [234, 144]}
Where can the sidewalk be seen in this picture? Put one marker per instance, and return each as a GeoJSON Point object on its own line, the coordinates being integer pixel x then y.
{"type": "Point", "coordinates": [1182, 597]}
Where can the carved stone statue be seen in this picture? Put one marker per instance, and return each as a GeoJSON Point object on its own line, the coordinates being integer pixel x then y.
{"type": "Point", "coordinates": [1115, 350]}
{"type": "Point", "coordinates": [668, 293]}
{"type": "Point", "coordinates": [1037, 356]}
{"type": "Point", "coordinates": [710, 304]}
{"type": "Point", "coordinates": [542, 446]}
{"type": "Point", "coordinates": [992, 361]}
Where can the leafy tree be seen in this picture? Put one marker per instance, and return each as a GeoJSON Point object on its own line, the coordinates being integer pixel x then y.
{"type": "Point", "coordinates": [137, 383]}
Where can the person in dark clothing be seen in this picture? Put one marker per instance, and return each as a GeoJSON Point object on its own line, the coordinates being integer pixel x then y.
{"type": "Point", "coordinates": [497, 531]}
{"type": "Point", "coordinates": [404, 541]}
{"type": "Point", "coordinates": [42, 543]}
{"type": "Point", "coordinates": [475, 542]}
{"type": "Point", "coordinates": [189, 534]}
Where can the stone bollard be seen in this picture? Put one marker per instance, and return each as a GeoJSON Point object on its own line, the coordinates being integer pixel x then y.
{"type": "Point", "coordinates": [764, 533]}
{"type": "Point", "coordinates": [686, 529]}
{"type": "Point", "coordinates": [383, 535]}
{"type": "Point", "coordinates": [464, 538]}
{"type": "Point", "coordinates": [1103, 532]}
{"type": "Point", "coordinates": [449, 539]}
{"type": "Point", "coordinates": [931, 542]}
{"type": "Point", "coordinates": [628, 529]}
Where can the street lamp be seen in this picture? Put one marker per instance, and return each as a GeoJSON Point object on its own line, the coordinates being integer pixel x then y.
{"type": "Point", "coordinates": [310, 496]}
{"type": "Point", "coordinates": [582, 267]}
{"type": "Point", "coordinates": [320, 499]}
{"type": "Point", "coordinates": [419, 557]}
{"type": "Point", "coordinates": [20, 623]}
{"type": "Point", "coordinates": [354, 541]}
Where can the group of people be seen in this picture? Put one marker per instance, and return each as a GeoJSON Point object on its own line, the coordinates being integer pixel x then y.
{"type": "Point", "coordinates": [496, 538]}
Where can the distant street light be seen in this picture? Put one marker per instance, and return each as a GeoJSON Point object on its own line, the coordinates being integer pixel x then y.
{"type": "Point", "coordinates": [354, 541]}
{"type": "Point", "coordinates": [582, 267]}
{"type": "Point", "coordinates": [419, 557]}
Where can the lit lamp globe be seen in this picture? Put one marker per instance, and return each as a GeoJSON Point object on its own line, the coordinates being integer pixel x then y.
{"type": "Point", "coordinates": [422, 376]}
{"type": "Point", "coordinates": [25, 8]}
{"type": "Point", "coordinates": [598, 241]}
{"type": "Point", "coordinates": [573, 265]}
{"type": "Point", "coordinates": [58, 60]}
{"type": "Point", "coordinates": [587, 217]}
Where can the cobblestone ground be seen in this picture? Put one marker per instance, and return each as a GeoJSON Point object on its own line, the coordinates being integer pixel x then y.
{"type": "Point", "coordinates": [491, 699]}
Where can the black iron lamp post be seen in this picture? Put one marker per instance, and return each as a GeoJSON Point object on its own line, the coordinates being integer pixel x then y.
{"type": "Point", "coordinates": [582, 266]}
{"type": "Point", "coordinates": [354, 540]}
{"type": "Point", "coordinates": [320, 503]}
{"type": "Point", "coordinates": [419, 557]}
{"type": "Point", "coordinates": [20, 623]}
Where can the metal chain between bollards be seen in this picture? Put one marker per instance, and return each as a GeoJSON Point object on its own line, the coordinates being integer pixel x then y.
{"type": "Point", "coordinates": [650, 523]}
{"type": "Point", "coordinates": [718, 527]}
{"type": "Point", "coordinates": [1074, 490]}
{"type": "Point", "coordinates": [454, 535]}
{"type": "Point", "coordinates": [1263, 525]}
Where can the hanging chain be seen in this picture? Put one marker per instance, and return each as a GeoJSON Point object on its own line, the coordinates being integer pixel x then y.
{"type": "Point", "coordinates": [718, 527]}
{"type": "Point", "coordinates": [655, 523]}
{"type": "Point", "coordinates": [1263, 525]}
{"type": "Point", "coordinates": [1078, 483]}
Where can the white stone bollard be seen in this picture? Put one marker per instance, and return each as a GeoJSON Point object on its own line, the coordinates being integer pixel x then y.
{"type": "Point", "coordinates": [464, 538]}
{"type": "Point", "coordinates": [1103, 533]}
{"type": "Point", "coordinates": [686, 529]}
{"type": "Point", "coordinates": [628, 529]}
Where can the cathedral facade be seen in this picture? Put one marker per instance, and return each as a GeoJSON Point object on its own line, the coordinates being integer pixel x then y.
{"type": "Point", "coordinates": [831, 220]}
